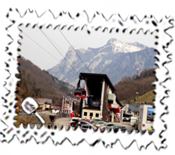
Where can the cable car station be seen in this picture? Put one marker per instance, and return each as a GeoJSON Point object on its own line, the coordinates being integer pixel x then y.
{"type": "Point", "coordinates": [98, 99]}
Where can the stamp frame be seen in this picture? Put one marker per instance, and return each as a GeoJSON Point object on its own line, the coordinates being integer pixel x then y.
{"type": "Point", "coordinates": [162, 57]}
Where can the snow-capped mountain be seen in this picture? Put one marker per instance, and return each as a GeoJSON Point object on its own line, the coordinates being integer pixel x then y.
{"type": "Point", "coordinates": [119, 46]}
{"type": "Point", "coordinates": [116, 59]}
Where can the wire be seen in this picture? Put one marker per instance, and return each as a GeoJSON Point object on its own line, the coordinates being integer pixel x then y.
{"type": "Point", "coordinates": [45, 50]}
{"type": "Point", "coordinates": [58, 47]}
{"type": "Point", "coordinates": [74, 50]}
{"type": "Point", "coordinates": [58, 50]}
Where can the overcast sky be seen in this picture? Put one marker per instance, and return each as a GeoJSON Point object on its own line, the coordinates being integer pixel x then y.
{"type": "Point", "coordinates": [43, 54]}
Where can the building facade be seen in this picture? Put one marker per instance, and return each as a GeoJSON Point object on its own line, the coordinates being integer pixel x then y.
{"type": "Point", "coordinates": [67, 105]}
{"type": "Point", "coordinates": [44, 104]}
{"type": "Point", "coordinates": [100, 101]}
{"type": "Point", "coordinates": [146, 117]}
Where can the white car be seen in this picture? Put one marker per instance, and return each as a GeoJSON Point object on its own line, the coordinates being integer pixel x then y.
{"type": "Point", "coordinates": [75, 118]}
{"type": "Point", "coordinates": [84, 125]}
{"type": "Point", "coordinates": [99, 123]}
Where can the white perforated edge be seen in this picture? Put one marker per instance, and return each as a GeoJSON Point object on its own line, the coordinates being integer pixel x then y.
{"type": "Point", "coordinates": [76, 136]}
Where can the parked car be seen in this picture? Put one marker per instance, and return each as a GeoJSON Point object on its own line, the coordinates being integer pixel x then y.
{"type": "Point", "coordinates": [126, 119]}
{"type": "Point", "coordinates": [76, 118]}
{"type": "Point", "coordinates": [151, 131]}
{"type": "Point", "coordinates": [115, 128]}
{"type": "Point", "coordinates": [94, 121]}
{"type": "Point", "coordinates": [84, 125]}
{"type": "Point", "coordinates": [109, 125]}
{"type": "Point", "coordinates": [85, 120]}
{"type": "Point", "coordinates": [74, 121]}
{"type": "Point", "coordinates": [99, 123]}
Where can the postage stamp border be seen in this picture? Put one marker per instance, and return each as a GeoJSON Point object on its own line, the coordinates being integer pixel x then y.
{"type": "Point", "coordinates": [66, 21]}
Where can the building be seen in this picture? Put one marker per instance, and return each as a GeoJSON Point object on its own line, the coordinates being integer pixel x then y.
{"type": "Point", "coordinates": [44, 104]}
{"type": "Point", "coordinates": [99, 101]}
{"type": "Point", "coordinates": [56, 107]}
{"type": "Point", "coordinates": [67, 105]}
{"type": "Point", "coordinates": [146, 117]}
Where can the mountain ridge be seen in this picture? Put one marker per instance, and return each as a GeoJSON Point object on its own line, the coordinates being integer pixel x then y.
{"type": "Point", "coordinates": [115, 58]}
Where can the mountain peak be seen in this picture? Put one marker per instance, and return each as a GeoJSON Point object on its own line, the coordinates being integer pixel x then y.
{"type": "Point", "coordinates": [111, 41]}
{"type": "Point", "coordinates": [71, 48]}
{"type": "Point", "coordinates": [139, 45]}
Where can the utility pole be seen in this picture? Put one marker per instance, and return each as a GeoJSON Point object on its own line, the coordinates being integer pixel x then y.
{"type": "Point", "coordinates": [62, 104]}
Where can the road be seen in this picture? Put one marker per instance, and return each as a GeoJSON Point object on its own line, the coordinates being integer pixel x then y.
{"type": "Point", "coordinates": [65, 121]}
{"type": "Point", "coordinates": [39, 112]}
{"type": "Point", "coordinates": [126, 124]}
{"type": "Point", "coordinates": [61, 121]}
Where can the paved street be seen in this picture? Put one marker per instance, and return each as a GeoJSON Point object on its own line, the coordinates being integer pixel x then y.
{"type": "Point", "coordinates": [39, 112]}
{"type": "Point", "coordinates": [65, 121]}
{"type": "Point", "coordinates": [62, 121]}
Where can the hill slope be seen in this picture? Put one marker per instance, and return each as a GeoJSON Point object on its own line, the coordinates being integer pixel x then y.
{"type": "Point", "coordinates": [39, 83]}
{"type": "Point", "coordinates": [147, 97]}
{"type": "Point", "coordinates": [137, 87]}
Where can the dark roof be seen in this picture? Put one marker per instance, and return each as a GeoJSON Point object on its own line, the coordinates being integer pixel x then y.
{"type": "Point", "coordinates": [97, 76]}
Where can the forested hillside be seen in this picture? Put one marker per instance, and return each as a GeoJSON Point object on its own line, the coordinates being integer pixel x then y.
{"type": "Point", "coordinates": [131, 87]}
{"type": "Point", "coordinates": [39, 83]}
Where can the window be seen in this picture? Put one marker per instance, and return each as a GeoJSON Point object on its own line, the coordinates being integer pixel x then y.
{"type": "Point", "coordinates": [97, 114]}
{"type": "Point", "coordinates": [150, 115]}
{"type": "Point", "coordinates": [91, 114]}
{"type": "Point", "coordinates": [85, 113]}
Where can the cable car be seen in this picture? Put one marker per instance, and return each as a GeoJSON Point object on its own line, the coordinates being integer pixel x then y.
{"type": "Point", "coordinates": [79, 92]}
